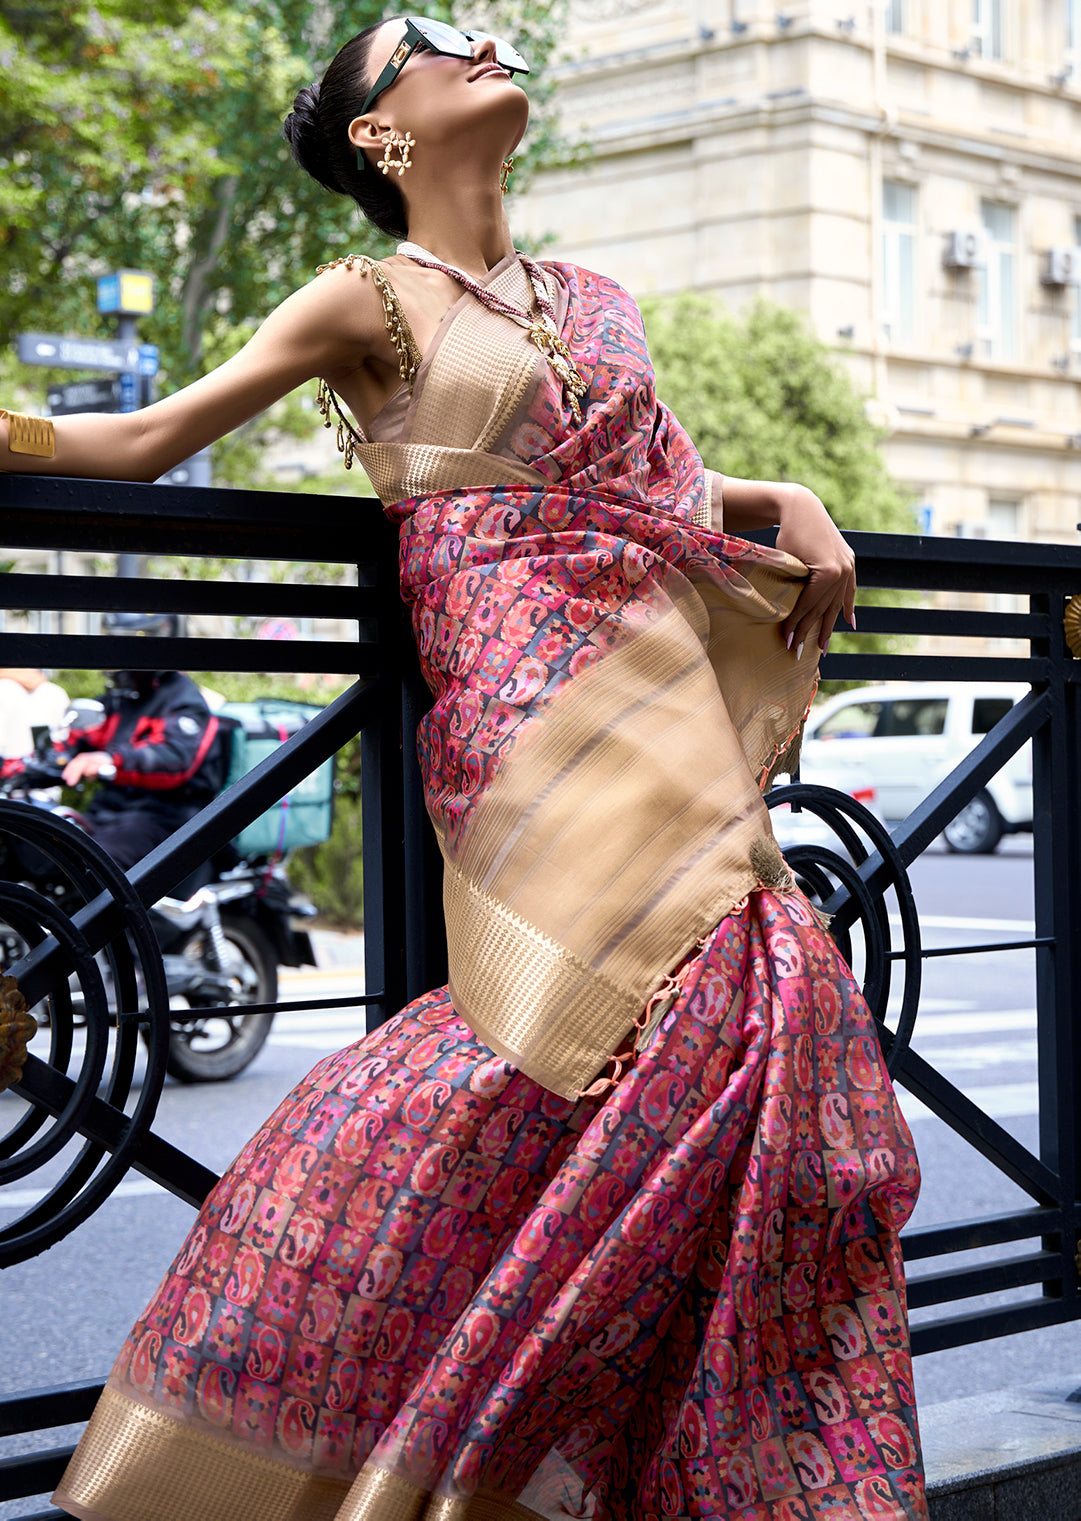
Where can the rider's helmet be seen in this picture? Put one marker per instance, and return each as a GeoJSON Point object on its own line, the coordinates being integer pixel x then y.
{"type": "Point", "coordinates": [130, 683]}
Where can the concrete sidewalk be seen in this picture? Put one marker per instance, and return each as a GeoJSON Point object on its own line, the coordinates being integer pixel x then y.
{"type": "Point", "coordinates": [1014, 1455]}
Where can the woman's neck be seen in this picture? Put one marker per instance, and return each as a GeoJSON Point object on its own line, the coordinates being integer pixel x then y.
{"type": "Point", "coordinates": [466, 227]}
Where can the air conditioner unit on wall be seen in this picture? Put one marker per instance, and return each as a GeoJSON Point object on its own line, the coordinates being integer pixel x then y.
{"type": "Point", "coordinates": [1062, 266]}
{"type": "Point", "coordinates": [965, 250]}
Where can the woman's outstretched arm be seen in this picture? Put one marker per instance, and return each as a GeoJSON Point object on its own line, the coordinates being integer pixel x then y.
{"type": "Point", "coordinates": [806, 530]}
{"type": "Point", "coordinates": [313, 332]}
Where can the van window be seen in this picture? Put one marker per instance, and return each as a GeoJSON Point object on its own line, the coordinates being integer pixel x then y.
{"type": "Point", "coordinates": [986, 712]}
{"type": "Point", "coordinates": [857, 720]}
{"type": "Point", "coordinates": [913, 716]}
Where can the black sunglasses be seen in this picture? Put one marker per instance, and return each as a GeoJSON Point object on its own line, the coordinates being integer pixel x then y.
{"type": "Point", "coordinates": [440, 38]}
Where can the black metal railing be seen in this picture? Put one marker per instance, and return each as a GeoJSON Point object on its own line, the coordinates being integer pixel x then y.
{"type": "Point", "coordinates": [403, 925]}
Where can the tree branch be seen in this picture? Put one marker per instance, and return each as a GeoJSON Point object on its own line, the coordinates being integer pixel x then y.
{"type": "Point", "coordinates": [196, 294]}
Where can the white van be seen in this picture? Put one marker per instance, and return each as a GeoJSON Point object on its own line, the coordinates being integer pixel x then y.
{"type": "Point", "coordinates": [909, 735]}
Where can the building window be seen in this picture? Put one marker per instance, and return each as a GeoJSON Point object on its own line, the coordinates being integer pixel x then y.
{"type": "Point", "coordinates": [899, 261]}
{"type": "Point", "coordinates": [1075, 329]}
{"type": "Point", "coordinates": [895, 14]}
{"type": "Point", "coordinates": [987, 28]}
{"type": "Point", "coordinates": [1003, 517]}
{"type": "Point", "coordinates": [1004, 524]}
{"type": "Point", "coordinates": [997, 312]}
{"type": "Point", "coordinates": [1073, 40]}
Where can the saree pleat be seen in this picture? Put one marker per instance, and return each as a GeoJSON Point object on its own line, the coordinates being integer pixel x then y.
{"type": "Point", "coordinates": [608, 1227]}
{"type": "Point", "coordinates": [683, 1299]}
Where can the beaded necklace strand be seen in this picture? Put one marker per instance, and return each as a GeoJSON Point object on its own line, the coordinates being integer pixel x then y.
{"type": "Point", "coordinates": [539, 324]}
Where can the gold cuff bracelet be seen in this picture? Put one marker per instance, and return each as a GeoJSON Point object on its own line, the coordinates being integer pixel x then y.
{"type": "Point", "coordinates": [30, 435]}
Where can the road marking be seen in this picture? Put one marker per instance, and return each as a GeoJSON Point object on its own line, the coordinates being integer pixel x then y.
{"type": "Point", "coordinates": [952, 921]}
{"type": "Point", "coordinates": [968, 1057]}
{"type": "Point", "coordinates": [345, 974]}
{"type": "Point", "coordinates": [977, 1022]}
{"type": "Point", "coordinates": [325, 1041]}
{"type": "Point", "coordinates": [943, 1005]}
{"type": "Point", "coordinates": [1002, 1101]}
{"type": "Point", "coordinates": [318, 1022]}
{"type": "Point", "coordinates": [26, 1198]}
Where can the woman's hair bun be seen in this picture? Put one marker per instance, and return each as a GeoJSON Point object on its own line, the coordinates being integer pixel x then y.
{"type": "Point", "coordinates": [303, 131]}
{"type": "Point", "coordinates": [317, 131]}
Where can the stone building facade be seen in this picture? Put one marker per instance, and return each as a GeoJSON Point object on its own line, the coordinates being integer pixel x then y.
{"type": "Point", "coordinates": [905, 172]}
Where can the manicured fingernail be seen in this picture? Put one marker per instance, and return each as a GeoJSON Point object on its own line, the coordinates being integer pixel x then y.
{"type": "Point", "coordinates": [799, 651]}
{"type": "Point", "coordinates": [826, 646]}
{"type": "Point", "coordinates": [853, 620]}
{"type": "Point", "coordinates": [788, 641]}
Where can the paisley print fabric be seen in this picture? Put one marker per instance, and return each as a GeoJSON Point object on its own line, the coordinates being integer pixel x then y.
{"type": "Point", "coordinates": [682, 1300]}
{"type": "Point", "coordinates": [432, 1289]}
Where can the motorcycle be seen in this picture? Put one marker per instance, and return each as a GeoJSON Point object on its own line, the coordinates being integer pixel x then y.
{"type": "Point", "coordinates": [221, 946]}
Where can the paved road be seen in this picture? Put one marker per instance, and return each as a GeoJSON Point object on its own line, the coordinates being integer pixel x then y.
{"type": "Point", "coordinates": [63, 1315]}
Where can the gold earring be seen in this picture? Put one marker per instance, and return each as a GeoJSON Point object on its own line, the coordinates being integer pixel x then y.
{"type": "Point", "coordinates": [504, 178]}
{"type": "Point", "coordinates": [399, 143]}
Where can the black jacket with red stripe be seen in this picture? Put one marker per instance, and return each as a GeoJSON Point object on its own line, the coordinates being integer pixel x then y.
{"type": "Point", "coordinates": [165, 746]}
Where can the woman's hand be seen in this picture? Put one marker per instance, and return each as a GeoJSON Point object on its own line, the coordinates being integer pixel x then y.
{"type": "Point", "coordinates": [808, 532]}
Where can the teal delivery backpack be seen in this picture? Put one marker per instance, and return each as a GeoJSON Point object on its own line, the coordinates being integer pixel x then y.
{"type": "Point", "coordinates": [303, 817]}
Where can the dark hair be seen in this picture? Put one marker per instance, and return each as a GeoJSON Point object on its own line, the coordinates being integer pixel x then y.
{"type": "Point", "coordinates": [317, 131]}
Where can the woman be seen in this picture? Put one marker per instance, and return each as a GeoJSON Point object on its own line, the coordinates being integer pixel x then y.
{"type": "Point", "coordinates": [608, 1229]}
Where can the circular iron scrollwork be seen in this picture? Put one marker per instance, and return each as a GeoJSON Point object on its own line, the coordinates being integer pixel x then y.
{"type": "Point", "coordinates": [861, 920]}
{"type": "Point", "coordinates": [77, 1116]}
{"type": "Point", "coordinates": [1071, 626]}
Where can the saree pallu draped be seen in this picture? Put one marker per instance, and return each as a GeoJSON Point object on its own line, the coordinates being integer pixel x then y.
{"type": "Point", "coordinates": [608, 1228]}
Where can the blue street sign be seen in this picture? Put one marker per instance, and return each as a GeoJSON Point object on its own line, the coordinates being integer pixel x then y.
{"type": "Point", "coordinates": [58, 352]}
{"type": "Point", "coordinates": [109, 293]}
{"type": "Point", "coordinates": [129, 393]}
{"type": "Point", "coordinates": [149, 359]}
{"type": "Point", "coordinates": [925, 517]}
{"type": "Point", "coordinates": [129, 292]}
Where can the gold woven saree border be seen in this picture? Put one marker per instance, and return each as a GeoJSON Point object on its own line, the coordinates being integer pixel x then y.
{"type": "Point", "coordinates": [400, 471]}
{"type": "Point", "coordinates": [554, 1016]}
{"type": "Point", "coordinates": [139, 1464]}
{"type": "Point", "coordinates": [612, 837]}
{"type": "Point", "coordinates": [377, 1495]}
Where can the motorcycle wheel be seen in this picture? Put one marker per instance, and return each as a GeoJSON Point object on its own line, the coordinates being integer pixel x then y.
{"type": "Point", "coordinates": [213, 1050]}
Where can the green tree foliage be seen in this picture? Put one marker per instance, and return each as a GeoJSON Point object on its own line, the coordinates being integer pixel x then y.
{"type": "Point", "coordinates": [149, 137]}
{"type": "Point", "coordinates": [764, 399]}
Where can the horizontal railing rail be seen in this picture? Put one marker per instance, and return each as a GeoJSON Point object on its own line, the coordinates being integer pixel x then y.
{"type": "Point", "coordinates": [403, 917]}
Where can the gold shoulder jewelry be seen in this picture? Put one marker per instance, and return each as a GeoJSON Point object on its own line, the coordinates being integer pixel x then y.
{"type": "Point", "coordinates": [30, 435]}
{"type": "Point", "coordinates": [399, 143]}
{"type": "Point", "coordinates": [401, 335]}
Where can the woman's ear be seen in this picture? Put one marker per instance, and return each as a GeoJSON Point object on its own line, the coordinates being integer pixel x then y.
{"type": "Point", "coordinates": [365, 132]}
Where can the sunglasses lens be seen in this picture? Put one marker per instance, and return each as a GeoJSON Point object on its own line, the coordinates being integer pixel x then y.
{"type": "Point", "coordinates": [442, 38]}
{"type": "Point", "coordinates": [506, 56]}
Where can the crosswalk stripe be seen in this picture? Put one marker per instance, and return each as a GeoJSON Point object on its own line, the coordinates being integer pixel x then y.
{"type": "Point", "coordinates": [1002, 1101]}
{"type": "Point", "coordinates": [26, 1198]}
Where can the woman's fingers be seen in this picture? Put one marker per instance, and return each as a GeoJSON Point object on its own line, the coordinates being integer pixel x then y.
{"type": "Point", "coordinates": [823, 598]}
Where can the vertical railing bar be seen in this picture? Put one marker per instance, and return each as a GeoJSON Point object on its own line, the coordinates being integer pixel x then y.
{"type": "Point", "coordinates": [1056, 779]}
{"type": "Point", "coordinates": [381, 793]}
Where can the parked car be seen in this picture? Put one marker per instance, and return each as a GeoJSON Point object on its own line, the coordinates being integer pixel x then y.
{"type": "Point", "coordinates": [910, 735]}
{"type": "Point", "coordinates": [806, 828]}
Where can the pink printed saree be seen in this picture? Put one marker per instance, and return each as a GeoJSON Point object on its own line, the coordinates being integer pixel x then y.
{"type": "Point", "coordinates": [608, 1228]}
